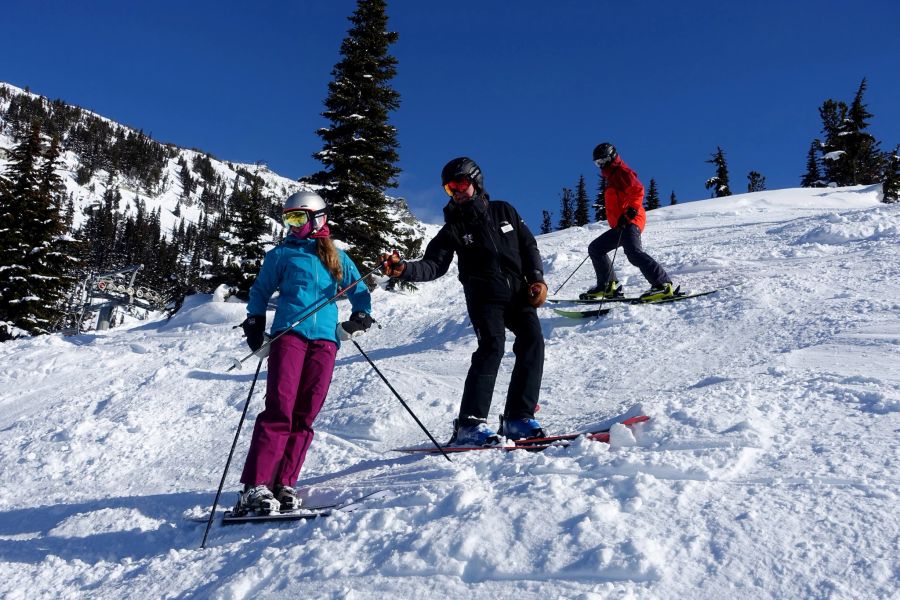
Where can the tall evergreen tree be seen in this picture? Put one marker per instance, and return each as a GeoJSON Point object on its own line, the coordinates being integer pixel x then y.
{"type": "Point", "coordinates": [546, 222]}
{"type": "Point", "coordinates": [360, 146]}
{"type": "Point", "coordinates": [850, 153]}
{"type": "Point", "coordinates": [756, 182]}
{"type": "Point", "coordinates": [812, 178]}
{"type": "Point", "coordinates": [652, 201]}
{"type": "Point", "coordinates": [836, 167]}
{"type": "Point", "coordinates": [246, 243]}
{"type": "Point", "coordinates": [672, 199]}
{"type": "Point", "coordinates": [600, 201]}
{"type": "Point", "coordinates": [567, 211]}
{"type": "Point", "coordinates": [582, 216]}
{"type": "Point", "coordinates": [719, 183]}
{"type": "Point", "coordinates": [35, 261]}
{"type": "Point", "coordinates": [866, 159]}
{"type": "Point", "coordinates": [891, 185]}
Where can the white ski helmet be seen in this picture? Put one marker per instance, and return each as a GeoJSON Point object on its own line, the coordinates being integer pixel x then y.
{"type": "Point", "coordinates": [310, 202]}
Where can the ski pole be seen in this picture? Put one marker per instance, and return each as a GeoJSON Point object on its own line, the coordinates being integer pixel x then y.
{"type": "Point", "coordinates": [570, 276]}
{"type": "Point", "coordinates": [612, 263]}
{"type": "Point", "coordinates": [212, 513]}
{"type": "Point", "coordinates": [262, 351]}
{"type": "Point", "coordinates": [405, 405]}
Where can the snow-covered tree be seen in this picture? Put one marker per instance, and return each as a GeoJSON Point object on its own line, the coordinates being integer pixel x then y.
{"type": "Point", "coordinates": [891, 184]}
{"type": "Point", "coordinates": [37, 259]}
{"type": "Point", "coordinates": [360, 145]}
{"type": "Point", "coordinates": [719, 183]}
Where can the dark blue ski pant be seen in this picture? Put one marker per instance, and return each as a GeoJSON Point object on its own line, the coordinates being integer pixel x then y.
{"type": "Point", "coordinates": [630, 241]}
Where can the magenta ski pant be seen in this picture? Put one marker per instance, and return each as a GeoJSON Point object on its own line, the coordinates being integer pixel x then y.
{"type": "Point", "coordinates": [300, 373]}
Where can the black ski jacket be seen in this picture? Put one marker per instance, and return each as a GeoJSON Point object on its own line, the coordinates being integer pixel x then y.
{"type": "Point", "coordinates": [498, 254]}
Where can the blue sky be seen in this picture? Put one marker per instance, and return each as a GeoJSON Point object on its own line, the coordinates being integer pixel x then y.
{"type": "Point", "coordinates": [526, 88]}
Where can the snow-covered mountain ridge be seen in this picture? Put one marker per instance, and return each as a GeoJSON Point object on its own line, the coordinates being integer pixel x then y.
{"type": "Point", "coordinates": [768, 469]}
{"type": "Point", "coordinates": [169, 194]}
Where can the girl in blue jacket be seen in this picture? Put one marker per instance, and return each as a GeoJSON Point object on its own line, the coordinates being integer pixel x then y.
{"type": "Point", "coordinates": [306, 269]}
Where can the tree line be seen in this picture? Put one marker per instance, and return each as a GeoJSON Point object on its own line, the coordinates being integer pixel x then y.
{"type": "Point", "coordinates": [846, 154]}
{"type": "Point", "coordinates": [43, 255]}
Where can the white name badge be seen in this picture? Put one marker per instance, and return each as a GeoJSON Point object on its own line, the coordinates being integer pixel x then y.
{"type": "Point", "coordinates": [505, 227]}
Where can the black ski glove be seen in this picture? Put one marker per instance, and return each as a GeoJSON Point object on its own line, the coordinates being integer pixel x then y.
{"type": "Point", "coordinates": [255, 329]}
{"type": "Point", "coordinates": [358, 323]}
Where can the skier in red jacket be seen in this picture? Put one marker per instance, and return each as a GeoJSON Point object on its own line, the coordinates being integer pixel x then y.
{"type": "Point", "coordinates": [625, 213]}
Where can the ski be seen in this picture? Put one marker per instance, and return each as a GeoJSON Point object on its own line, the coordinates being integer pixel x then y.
{"type": "Point", "coordinates": [596, 435]}
{"type": "Point", "coordinates": [302, 513]}
{"type": "Point", "coordinates": [630, 299]}
{"type": "Point", "coordinates": [581, 314]}
{"type": "Point", "coordinates": [530, 444]}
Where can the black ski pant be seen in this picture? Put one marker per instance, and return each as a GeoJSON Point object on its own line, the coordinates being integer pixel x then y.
{"type": "Point", "coordinates": [630, 240]}
{"type": "Point", "coordinates": [490, 322]}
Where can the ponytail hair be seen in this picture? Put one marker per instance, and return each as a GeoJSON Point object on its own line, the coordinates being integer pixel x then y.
{"type": "Point", "coordinates": [329, 256]}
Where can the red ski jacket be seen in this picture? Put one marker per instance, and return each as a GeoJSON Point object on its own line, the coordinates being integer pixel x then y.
{"type": "Point", "coordinates": [623, 189]}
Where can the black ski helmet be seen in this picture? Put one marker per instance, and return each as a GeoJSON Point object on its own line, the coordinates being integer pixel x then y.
{"type": "Point", "coordinates": [604, 154]}
{"type": "Point", "coordinates": [463, 167]}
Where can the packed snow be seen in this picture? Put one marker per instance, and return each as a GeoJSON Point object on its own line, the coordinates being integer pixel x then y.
{"type": "Point", "coordinates": [768, 469]}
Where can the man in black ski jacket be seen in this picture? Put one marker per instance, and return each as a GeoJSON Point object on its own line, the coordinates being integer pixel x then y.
{"type": "Point", "coordinates": [502, 275]}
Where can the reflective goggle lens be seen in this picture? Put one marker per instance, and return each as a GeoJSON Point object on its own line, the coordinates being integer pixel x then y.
{"type": "Point", "coordinates": [296, 218]}
{"type": "Point", "coordinates": [457, 185]}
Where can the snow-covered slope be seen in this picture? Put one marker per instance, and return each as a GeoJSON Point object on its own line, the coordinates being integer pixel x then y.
{"type": "Point", "coordinates": [769, 468]}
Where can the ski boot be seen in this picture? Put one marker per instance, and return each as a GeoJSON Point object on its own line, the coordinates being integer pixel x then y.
{"type": "Point", "coordinates": [659, 292]}
{"type": "Point", "coordinates": [610, 290]}
{"type": "Point", "coordinates": [258, 499]}
{"type": "Point", "coordinates": [287, 497]}
{"type": "Point", "coordinates": [517, 429]}
{"type": "Point", "coordinates": [474, 433]}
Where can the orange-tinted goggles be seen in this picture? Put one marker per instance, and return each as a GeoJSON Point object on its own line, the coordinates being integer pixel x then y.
{"type": "Point", "coordinates": [457, 185]}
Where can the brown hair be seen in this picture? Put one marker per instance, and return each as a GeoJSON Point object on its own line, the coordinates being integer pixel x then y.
{"type": "Point", "coordinates": [329, 256]}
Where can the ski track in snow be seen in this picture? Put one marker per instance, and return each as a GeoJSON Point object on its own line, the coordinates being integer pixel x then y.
{"type": "Point", "coordinates": [769, 467]}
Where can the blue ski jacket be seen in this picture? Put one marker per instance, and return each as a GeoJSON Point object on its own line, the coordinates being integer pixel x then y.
{"type": "Point", "coordinates": [294, 269]}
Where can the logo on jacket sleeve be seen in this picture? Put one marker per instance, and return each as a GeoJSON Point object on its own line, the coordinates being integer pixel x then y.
{"type": "Point", "coordinates": [467, 239]}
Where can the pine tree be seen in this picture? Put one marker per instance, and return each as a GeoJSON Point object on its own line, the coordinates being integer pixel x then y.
{"type": "Point", "coordinates": [719, 183]}
{"type": "Point", "coordinates": [546, 222]}
{"type": "Point", "coordinates": [600, 201]}
{"type": "Point", "coordinates": [652, 201]}
{"type": "Point", "coordinates": [891, 185]}
{"type": "Point", "coordinates": [672, 200]}
{"type": "Point", "coordinates": [812, 178]}
{"type": "Point", "coordinates": [36, 265]}
{"type": "Point", "coordinates": [360, 146]}
{"type": "Point", "coordinates": [246, 245]}
{"type": "Point", "coordinates": [582, 216]}
{"type": "Point", "coordinates": [567, 211]}
{"type": "Point", "coordinates": [837, 168]}
{"type": "Point", "coordinates": [755, 182]}
{"type": "Point", "coordinates": [862, 148]}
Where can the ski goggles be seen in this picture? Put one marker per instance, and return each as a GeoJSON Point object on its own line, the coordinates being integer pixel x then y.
{"type": "Point", "coordinates": [457, 185]}
{"type": "Point", "coordinates": [295, 218]}
{"type": "Point", "coordinates": [602, 162]}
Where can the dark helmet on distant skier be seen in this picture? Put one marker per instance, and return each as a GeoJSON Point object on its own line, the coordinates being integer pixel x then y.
{"type": "Point", "coordinates": [462, 167]}
{"type": "Point", "coordinates": [604, 154]}
{"type": "Point", "coordinates": [302, 208]}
